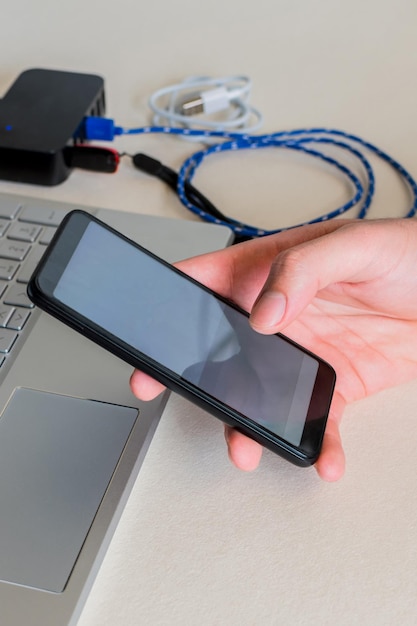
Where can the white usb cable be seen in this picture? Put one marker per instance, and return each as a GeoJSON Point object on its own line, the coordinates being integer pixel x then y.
{"type": "Point", "coordinates": [220, 104]}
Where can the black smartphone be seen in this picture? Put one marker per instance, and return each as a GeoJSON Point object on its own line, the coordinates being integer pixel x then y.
{"type": "Point", "coordinates": [195, 342]}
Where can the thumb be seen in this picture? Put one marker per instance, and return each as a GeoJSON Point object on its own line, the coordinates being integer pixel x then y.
{"type": "Point", "coordinates": [299, 273]}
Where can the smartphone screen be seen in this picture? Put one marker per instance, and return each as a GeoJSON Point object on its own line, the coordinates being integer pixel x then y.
{"type": "Point", "coordinates": [198, 337]}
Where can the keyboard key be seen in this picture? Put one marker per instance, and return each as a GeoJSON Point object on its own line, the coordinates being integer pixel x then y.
{"type": "Point", "coordinates": [46, 236]}
{"type": "Point", "coordinates": [7, 339]}
{"type": "Point", "coordinates": [16, 296]}
{"type": "Point", "coordinates": [13, 250]}
{"type": "Point", "coordinates": [5, 314]}
{"type": "Point", "coordinates": [18, 319]}
{"type": "Point", "coordinates": [3, 285]}
{"type": "Point", "coordinates": [8, 269]}
{"type": "Point", "coordinates": [42, 215]}
{"type": "Point", "coordinates": [27, 268]}
{"type": "Point", "coordinates": [24, 232]}
{"type": "Point", "coordinates": [9, 207]}
{"type": "Point", "coordinates": [4, 225]}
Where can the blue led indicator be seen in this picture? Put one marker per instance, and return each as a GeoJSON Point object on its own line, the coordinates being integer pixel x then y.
{"type": "Point", "coordinates": [9, 127]}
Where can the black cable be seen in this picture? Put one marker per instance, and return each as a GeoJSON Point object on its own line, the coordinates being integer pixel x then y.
{"type": "Point", "coordinates": [153, 167]}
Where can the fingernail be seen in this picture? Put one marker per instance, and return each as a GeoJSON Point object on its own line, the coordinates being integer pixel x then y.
{"type": "Point", "coordinates": [269, 310]}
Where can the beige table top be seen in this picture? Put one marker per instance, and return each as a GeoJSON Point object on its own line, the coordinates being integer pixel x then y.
{"type": "Point", "coordinates": [199, 542]}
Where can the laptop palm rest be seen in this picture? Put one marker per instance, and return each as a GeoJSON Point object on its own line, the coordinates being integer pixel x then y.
{"type": "Point", "coordinates": [61, 452]}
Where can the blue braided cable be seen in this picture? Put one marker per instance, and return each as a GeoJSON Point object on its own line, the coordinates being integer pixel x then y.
{"type": "Point", "coordinates": [297, 139]}
{"type": "Point", "coordinates": [364, 161]}
{"type": "Point", "coordinates": [369, 146]}
{"type": "Point", "coordinates": [186, 173]}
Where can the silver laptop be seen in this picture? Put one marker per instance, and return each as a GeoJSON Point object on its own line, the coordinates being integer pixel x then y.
{"type": "Point", "coordinates": [72, 436]}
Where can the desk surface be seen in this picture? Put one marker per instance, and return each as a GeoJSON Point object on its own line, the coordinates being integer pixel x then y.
{"type": "Point", "coordinates": [199, 542]}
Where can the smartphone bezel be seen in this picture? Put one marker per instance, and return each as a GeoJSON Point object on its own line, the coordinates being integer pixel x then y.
{"type": "Point", "coordinates": [41, 288]}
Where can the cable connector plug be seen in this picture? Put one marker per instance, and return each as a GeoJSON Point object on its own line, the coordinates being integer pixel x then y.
{"type": "Point", "coordinates": [93, 158]}
{"type": "Point", "coordinates": [99, 129]}
{"type": "Point", "coordinates": [208, 102]}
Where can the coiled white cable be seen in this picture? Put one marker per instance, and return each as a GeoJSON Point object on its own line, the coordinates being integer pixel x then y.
{"type": "Point", "coordinates": [216, 104]}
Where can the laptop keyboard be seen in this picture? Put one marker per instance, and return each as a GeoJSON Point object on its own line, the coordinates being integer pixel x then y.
{"type": "Point", "coordinates": [26, 227]}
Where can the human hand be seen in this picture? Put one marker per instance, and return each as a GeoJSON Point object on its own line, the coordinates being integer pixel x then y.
{"type": "Point", "coordinates": [346, 290]}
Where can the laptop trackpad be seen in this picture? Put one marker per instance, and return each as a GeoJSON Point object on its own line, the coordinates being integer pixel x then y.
{"type": "Point", "coordinates": [57, 456]}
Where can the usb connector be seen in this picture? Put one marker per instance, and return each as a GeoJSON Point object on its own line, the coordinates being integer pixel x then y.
{"type": "Point", "coordinates": [98, 129]}
{"type": "Point", "coordinates": [207, 102]}
{"type": "Point", "coordinates": [192, 107]}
